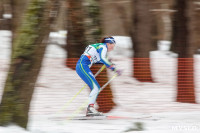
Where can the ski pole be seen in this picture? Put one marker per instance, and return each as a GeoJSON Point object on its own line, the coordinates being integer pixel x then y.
{"type": "Point", "coordinates": [98, 72]}
{"type": "Point", "coordinates": [78, 110]}
{"type": "Point", "coordinates": [86, 102]}
{"type": "Point", "coordinates": [108, 82]}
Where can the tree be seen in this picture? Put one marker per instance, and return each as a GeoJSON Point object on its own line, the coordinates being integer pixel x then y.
{"type": "Point", "coordinates": [75, 31]}
{"type": "Point", "coordinates": [92, 21]}
{"type": "Point", "coordinates": [61, 19]}
{"type": "Point", "coordinates": [142, 40]}
{"type": "Point", "coordinates": [1, 9]}
{"type": "Point", "coordinates": [28, 51]}
{"type": "Point", "coordinates": [18, 9]}
{"type": "Point", "coordinates": [1, 13]}
{"type": "Point", "coordinates": [162, 11]}
{"type": "Point", "coordinates": [4, 9]}
{"type": "Point", "coordinates": [183, 42]}
{"type": "Point", "coordinates": [197, 22]}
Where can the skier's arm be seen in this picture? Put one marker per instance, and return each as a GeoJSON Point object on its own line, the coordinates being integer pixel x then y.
{"type": "Point", "coordinates": [104, 59]}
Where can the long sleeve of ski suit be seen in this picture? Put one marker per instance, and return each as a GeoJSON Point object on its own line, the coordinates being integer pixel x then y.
{"type": "Point", "coordinates": [103, 57]}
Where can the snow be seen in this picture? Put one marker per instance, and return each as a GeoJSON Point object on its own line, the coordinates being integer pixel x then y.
{"type": "Point", "coordinates": [7, 16]}
{"type": "Point", "coordinates": [151, 105]}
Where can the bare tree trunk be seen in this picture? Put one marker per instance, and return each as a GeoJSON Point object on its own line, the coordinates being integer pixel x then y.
{"type": "Point", "coordinates": [1, 9]}
{"type": "Point", "coordinates": [162, 11]}
{"type": "Point", "coordinates": [196, 25]}
{"type": "Point", "coordinates": [26, 61]}
{"type": "Point", "coordinates": [124, 18]}
{"type": "Point", "coordinates": [18, 9]}
{"type": "Point", "coordinates": [75, 28]}
{"type": "Point", "coordinates": [61, 22]}
{"type": "Point", "coordinates": [182, 41]}
{"type": "Point", "coordinates": [142, 40]}
{"type": "Point", "coordinates": [92, 22]}
{"type": "Point", "coordinates": [1, 14]}
{"type": "Point", "coordinates": [5, 23]}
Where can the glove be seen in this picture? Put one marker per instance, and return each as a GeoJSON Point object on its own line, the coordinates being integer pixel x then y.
{"type": "Point", "coordinates": [119, 72]}
{"type": "Point", "coordinates": [112, 67]}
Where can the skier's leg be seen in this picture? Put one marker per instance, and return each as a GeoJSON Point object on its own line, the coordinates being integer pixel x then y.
{"type": "Point", "coordinates": [85, 73]}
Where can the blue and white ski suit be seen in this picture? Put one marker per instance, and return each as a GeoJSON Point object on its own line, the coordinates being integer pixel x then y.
{"type": "Point", "coordinates": [95, 53]}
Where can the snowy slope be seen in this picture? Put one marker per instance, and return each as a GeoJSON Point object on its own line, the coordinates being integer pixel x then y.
{"type": "Point", "coordinates": [152, 105]}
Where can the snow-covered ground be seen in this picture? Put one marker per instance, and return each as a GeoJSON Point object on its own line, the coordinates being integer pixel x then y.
{"type": "Point", "coordinates": [149, 107]}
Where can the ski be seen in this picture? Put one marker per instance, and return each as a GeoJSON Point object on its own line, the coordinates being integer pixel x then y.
{"type": "Point", "coordinates": [104, 117]}
{"type": "Point", "coordinates": [89, 118]}
{"type": "Point", "coordinates": [108, 117]}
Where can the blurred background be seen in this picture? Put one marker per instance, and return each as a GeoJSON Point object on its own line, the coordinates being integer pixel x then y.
{"type": "Point", "coordinates": [158, 47]}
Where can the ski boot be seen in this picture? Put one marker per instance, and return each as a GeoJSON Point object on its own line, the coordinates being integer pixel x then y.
{"type": "Point", "coordinates": [91, 111]}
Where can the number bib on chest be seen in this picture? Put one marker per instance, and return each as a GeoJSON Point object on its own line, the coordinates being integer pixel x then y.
{"type": "Point", "coordinates": [92, 52]}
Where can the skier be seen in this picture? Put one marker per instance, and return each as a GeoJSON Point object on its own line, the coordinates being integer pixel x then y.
{"type": "Point", "coordinates": [95, 53]}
